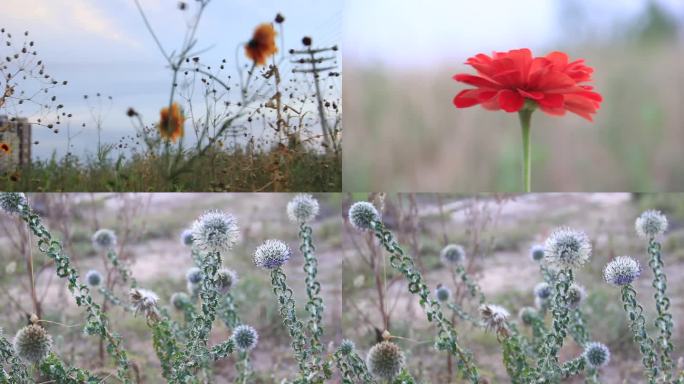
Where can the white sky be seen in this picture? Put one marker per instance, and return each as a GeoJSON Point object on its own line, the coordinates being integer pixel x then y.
{"type": "Point", "coordinates": [102, 46]}
{"type": "Point", "coordinates": [423, 33]}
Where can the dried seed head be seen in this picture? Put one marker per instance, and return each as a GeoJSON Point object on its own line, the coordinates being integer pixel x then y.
{"type": "Point", "coordinates": [452, 254]}
{"type": "Point", "coordinates": [537, 252]}
{"type": "Point", "coordinates": [12, 202]}
{"type": "Point", "coordinates": [567, 248]}
{"type": "Point", "coordinates": [32, 343]}
{"type": "Point", "coordinates": [442, 293]}
{"type": "Point", "coordinates": [144, 301]}
{"type": "Point", "coordinates": [302, 208]}
{"type": "Point", "coordinates": [245, 337]}
{"type": "Point", "coordinates": [215, 231]}
{"type": "Point", "coordinates": [385, 360]}
{"type": "Point", "coordinates": [494, 318]}
{"type": "Point", "coordinates": [179, 300]}
{"type": "Point", "coordinates": [596, 354]}
{"type": "Point", "coordinates": [104, 239]}
{"type": "Point", "coordinates": [622, 270]}
{"type": "Point", "coordinates": [186, 238]}
{"type": "Point", "coordinates": [272, 254]}
{"type": "Point", "coordinates": [651, 223]}
{"type": "Point", "coordinates": [362, 214]}
{"type": "Point", "coordinates": [93, 278]}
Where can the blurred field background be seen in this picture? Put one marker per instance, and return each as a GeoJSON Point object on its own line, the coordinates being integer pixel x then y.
{"type": "Point", "coordinates": [497, 232]}
{"type": "Point", "coordinates": [404, 134]}
{"type": "Point", "coordinates": [148, 227]}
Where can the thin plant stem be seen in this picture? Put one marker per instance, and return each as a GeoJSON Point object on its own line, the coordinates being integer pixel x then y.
{"type": "Point", "coordinates": [525, 115]}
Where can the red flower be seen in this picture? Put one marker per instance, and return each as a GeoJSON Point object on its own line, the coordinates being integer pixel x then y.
{"type": "Point", "coordinates": [507, 79]}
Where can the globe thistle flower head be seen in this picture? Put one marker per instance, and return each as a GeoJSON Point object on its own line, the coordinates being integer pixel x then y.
{"type": "Point", "coordinates": [180, 300]}
{"type": "Point", "coordinates": [442, 293]}
{"type": "Point", "coordinates": [104, 239]}
{"type": "Point", "coordinates": [567, 248]}
{"type": "Point", "coordinates": [576, 295]}
{"type": "Point", "coordinates": [245, 337]}
{"type": "Point", "coordinates": [194, 275]}
{"type": "Point", "coordinates": [596, 354]}
{"type": "Point", "coordinates": [271, 254]}
{"type": "Point", "coordinates": [622, 270]}
{"type": "Point", "coordinates": [32, 343]}
{"type": "Point", "coordinates": [452, 254]}
{"type": "Point", "coordinates": [527, 315]}
{"type": "Point", "coordinates": [650, 224]}
{"type": "Point", "coordinates": [543, 290]}
{"type": "Point", "coordinates": [186, 238]}
{"type": "Point", "coordinates": [93, 278]}
{"type": "Point", "coordinates": [226, 279]}
{"type": "Point", "coordinates": [12, 202]}
{"type": "Point", "coordinates": [215, 231]}
{"type": "Point", "coordinates": [302, 208]}
{"type": "Point", "coordinates": [494, 318]}
{"type": "Point", "coordinates": [144, 301]}
{"type": "Point", "coordinates": [385, 360]}
{"type": "Point", "coordinates": [537, 252]}
{"type": "Point", "coordinates": [347, 347]}
{"type": "Point", "coordinates": [362, 214]}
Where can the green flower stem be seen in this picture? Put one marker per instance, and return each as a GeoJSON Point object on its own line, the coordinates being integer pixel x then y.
{"type": "Point", "coordinates": [56, 371]}
{"type": "Point", "coordinates": [447, 337]}
{"type": "Point", "coordinates": [573, 367]}
{"type": "Point", "coordinates": [635, 314]}
{"type": "Point", "coordinates": [243, 367]}
{"type": "Point", "coordinates": [548, 364]}
{"type": "Point", "coordinates": [462, 314]}
{"type": "Point", "coordinates": [97, 321]}
{"type": "Point", "coordinates": [165, 346]}
{"type": "Point", "coordinates": [202, 322]}
{"type": "Point", "coordinates": [123, 269]}
{"type": "Point", "coordinates": [314, 305]}
{"type": "Point", "coordinates": [664, 321]}
{"type": "Point", "coordinates": [227, 311]}
{"type": "Point", "coordinates": [514, 356]}
{"type": "Point", "coordinates": [473, 287]}
{"type": "Point", "coordinates": [525, 116]}
{"type": "Point", "coordinates": [221, 351]}
{"type": "Point", "coordinates": [289, 314]}
{"type": "Point", "coordinates": [352, 368]}
{"type": "Point", "coordinates": [578, 328]}
{"type": "Point", "coordinates": [17, 370]}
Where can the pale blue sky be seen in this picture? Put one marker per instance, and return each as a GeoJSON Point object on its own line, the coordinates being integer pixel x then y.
{"type": "Point", "coordinates": [426, 33]}
{"type": "Point", "coordinates": [102, 46]}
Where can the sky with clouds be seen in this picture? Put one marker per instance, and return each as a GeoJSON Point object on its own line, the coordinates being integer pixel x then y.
{"type": "Point", "coordinates": [103, 46]}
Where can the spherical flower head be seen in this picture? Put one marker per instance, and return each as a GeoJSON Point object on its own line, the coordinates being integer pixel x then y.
{"type": "Point", "coordinates": [442, 293]}
{"type": "Point", "coordinates": [596, 354]}
{"type": "Point", "coordinates": [567, 248]}
{"type": "Point", "coordinates": [104, 239]}
{"type": "Point", "coordinates": [93, 278]}
{"type": "Point", "coordinates": [194, 275]}
{"type": "Point", "coordinates": [527, 315]}
{"type": "Point", "coordinates": [302, 208]}
{"type": "Point", "coordinates": [12, 202]}
{"type": "Point", "coordinates": [32, 343]}
{"type": "Point", "coordinates": [262, 44]}
{"type": "Point", "coordinates": [543, 290]}
{"type": "Point", "coordinates": [144, 301]}
{"type": "Point", "coordinates": [186, 238]}
{"type": "Point", "coordinates": [576, 295]}
{"type": "Point", "coordinates": [650, 224]}
{"type": "Point", "coordinates": [452, 254]}
{"type": "Point", "coordinates": [245, 337]}
{"type": "Point", "coordinates": [179, 300]}
{"type": "Point", "coordinates": [537, 252]}
{"type": "Point", "coordinates": [215, 231]}
{"type": "Point", "coordinates": [226, 279]}
{"type": "Point", "coordinates": [347, 347]}
{"type": "Point", "coordinates": [385, 360]}
{"type": "Point", "coordinates": [622, 270]}
{"type": "Point", "coordinates": [494, 317]}
{"type": "Point", "coordinates": [513, 80]}
{"type": "Point", "coordinates": [362, 214]}
{"type": "Point", "coordinates": [272, 254]}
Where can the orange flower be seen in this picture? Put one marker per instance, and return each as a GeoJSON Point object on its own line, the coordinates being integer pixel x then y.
{"type": "Point", "coordinates": [262, 45]}
{"type": "Point", "coordinates": [5, 149]}
{"type": "Point", "coordinates": [171, 124]}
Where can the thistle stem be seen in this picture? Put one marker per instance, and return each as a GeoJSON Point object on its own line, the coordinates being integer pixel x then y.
{"type": "Point", "coordinates": [525, 115]}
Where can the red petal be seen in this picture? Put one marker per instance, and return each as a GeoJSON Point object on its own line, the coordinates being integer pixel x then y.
{"type": "Point", "coordinates": [534, 95]}
{"type": "Point", "coordinates": [510, 101]}
{"type": "Point", "coordinates": [476, 81]}
{"type": "Point", "coordinates": [552, 100]}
